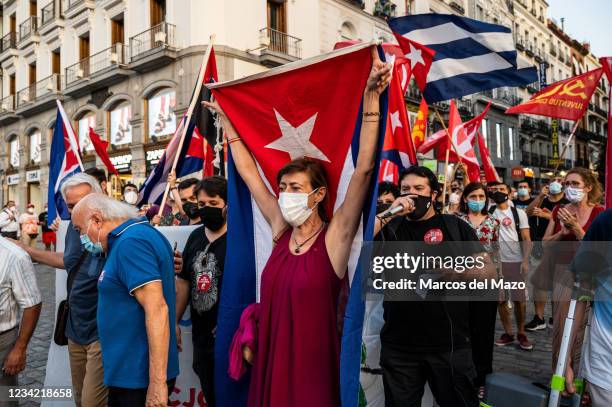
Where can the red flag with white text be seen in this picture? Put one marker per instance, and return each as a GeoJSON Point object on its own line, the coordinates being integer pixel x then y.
{"type": "Point", "coordinates": [567, 99]}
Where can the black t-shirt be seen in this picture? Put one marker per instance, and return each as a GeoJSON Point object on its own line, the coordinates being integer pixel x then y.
{"type": "Point", "coordinates": [42, 218]}
{"type": "Point", "coordinates": [427, 326]}
{"type": "Point", "coordinates": [533, 220]}
{"type": "Point", "coordinates": [203, 264]}
{"type": "Point", "coordinates": [538, 228]}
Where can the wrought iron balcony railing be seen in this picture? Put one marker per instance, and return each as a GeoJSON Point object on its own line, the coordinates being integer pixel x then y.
{"type": "Point", "coordinates": [28, 28]}
{"type": "Point", "coordinates": [281, 42]}
{"type": "Point", "coordinates": [85, 68]}
{"type": "Point", "coordinates": [50, 12]}
{"type": "Point", "coordinates": [159, 36]}
{"type": "Point", "coordinates": [9, 41]}
{"type": "Point", "coordinates": [48, 85]}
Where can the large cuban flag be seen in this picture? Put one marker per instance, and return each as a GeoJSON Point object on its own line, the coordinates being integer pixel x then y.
{"type": "Point", "coordinates": [310, 108]}
{"type": "Point", "coordinates": [471, 55]}
{"type": "Point", "coordinates": [64, 161]}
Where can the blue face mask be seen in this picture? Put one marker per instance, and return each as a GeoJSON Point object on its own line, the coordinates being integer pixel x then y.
{"type": "Point", "coordinates": [476, 206]}
{"type": "Point", "coordinates": [555, 187]}
{"type": "Point", "coordinates": [91, 247]}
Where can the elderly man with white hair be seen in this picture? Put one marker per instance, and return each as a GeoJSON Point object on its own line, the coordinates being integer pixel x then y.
{"type": "Point", "coordinates": [136, 302]}
{"type": "Point", "coordinates": [81, 326]}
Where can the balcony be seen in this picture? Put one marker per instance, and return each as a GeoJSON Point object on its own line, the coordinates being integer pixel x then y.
{"type": "Point", "coordinates": [40, 95]}
{"type": "Point", "coordinates": [534, 12]}
{"type": "Point", "coordinates": [541, 18]}
{"type": "Point", "coordinates": [7, 110]}
{"type": "Point", "coordinates": [278, 47]}
{"type": "Point", "coordinates": [102, 69]}
{"type": "Point", "coordinates": [358, 3]}
{"type": "Point", "coordinates": [465, 107]}
{"type": "Point", "coordinates": [520, 44]}
{"type": "Point", "coordinates": [529, 49]}
{"type": "Point", "coordinates": [73, 8]}
{"type": "Point", "coordinates": [8, 43]}
{"type": "Point", "coordinates": [384, 9]}
{"type": "Point", "coordinates": [414, 93]}
{"type": "Point", "coordinates": [600, 111]}
{"type": "Point", "coordinates": [457, 7]}
{"type": "Point", "coordinates": [50, 17]}
{"type": "Point", "coordinates": [553, 51]}
{"type": "Point", "coordinates": [533, 87]}
{"type": "Point", "coordinates": [28, 30]}
{"type": "Point", "coordinates": [153, 48]}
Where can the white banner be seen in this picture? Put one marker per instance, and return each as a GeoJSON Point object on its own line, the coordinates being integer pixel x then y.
{"type": "Point", "coordinates": [187, 389]}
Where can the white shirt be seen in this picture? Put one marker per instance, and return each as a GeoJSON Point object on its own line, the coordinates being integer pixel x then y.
{"type": "Point", "coordinates": [18, 286]}
{"type": "Point", "coordinates": [510, 247]}
{"type": "Point", "coordinates": [6, 224]}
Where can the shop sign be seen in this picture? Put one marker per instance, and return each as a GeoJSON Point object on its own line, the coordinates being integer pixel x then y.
{"type": "Point", "coordinates": [12, 179]}
{"type": "Point", "coordinates": [123, 163]}
{"type": "Point", "coordinates": [33, 176]}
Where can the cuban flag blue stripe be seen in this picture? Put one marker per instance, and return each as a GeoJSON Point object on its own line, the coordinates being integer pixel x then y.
{"type": "Point", "coordinates": [471, 56]}
{"type": "Point", "coordinates": [239, 287]}
{"type": "Point", "coordinates": [471, 83]}
{"type": "Point", "coordinates": [393, 156]}
{"type": "Point", "coordinates": [350, 357]}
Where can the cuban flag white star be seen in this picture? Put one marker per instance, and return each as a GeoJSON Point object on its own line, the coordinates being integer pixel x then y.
{"type": "Point", "coordinates": [395, 121]}
{"type": "Point", "coordinates": [415, 56]}
{"type": "Point", "coordinates": [295, 141]}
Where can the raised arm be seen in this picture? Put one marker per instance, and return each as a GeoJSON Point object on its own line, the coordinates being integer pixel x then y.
{"type": "Point", "coordinates": [247, 168]}
{"type": "Point", "coordinates": [537, 201]}
{"type": "Point", "coordinates": [345, 222]}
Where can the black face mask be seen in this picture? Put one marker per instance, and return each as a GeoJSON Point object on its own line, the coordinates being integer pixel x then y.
{"type": "Point", "coordinates": [499, 197]}
{"type": "Point", "coordinates": [191, 210]}
{"type": "Point", "coordinates": [212, 217]}
{"type": "Point", "coordinates": [382, 206]}
{"type": "Point", "coordinates": [421, 206]}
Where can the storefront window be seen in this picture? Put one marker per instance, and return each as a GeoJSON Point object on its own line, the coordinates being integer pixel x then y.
{"type": "Point", "coordinates": [14, 151]}
{"type": "Point", "coordinates": [34, 142]}
{"type": "Point", "coordinates": [120, 127]}
{"type": "Point", "coordinates": [161, 119]}
{"type": "Point", "coordinates": [84, 124]}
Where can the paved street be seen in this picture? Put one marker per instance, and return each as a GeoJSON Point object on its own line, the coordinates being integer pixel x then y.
{"type": "Point", "coordinates": [534, 364]}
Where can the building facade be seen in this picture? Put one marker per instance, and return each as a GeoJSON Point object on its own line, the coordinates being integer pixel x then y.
{"type": "Point", "coordinates": [126, 68]}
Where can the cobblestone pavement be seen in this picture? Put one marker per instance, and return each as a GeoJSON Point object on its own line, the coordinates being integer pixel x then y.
{"type": "Point", "coordinates": [534, 364]}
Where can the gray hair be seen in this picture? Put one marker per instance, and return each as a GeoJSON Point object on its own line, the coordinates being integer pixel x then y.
{"type": "Point", "coordinates": [80, 179]}
{"type": "Point", "coordinates": [111, 209]}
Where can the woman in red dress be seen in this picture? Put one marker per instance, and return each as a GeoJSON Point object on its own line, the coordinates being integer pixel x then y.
{"type": "Point", "coordinates": [296, 362]}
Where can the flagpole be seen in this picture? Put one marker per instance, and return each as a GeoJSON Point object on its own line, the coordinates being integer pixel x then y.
{"type": "Point", "coordinates": [445, 183]}
{"type": "Point", "coordinates": [450, 139]}
{"type": "Point", "coordinates": [569, 140]}
{"type": "Point", "coordinates": [192, 105]}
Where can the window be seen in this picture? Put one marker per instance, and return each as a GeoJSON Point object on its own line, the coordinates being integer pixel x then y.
{"type": "Point", "coordinates": [55, 61]}
{"type": "Point", "coordinates": [158, 12]}
{"type": "Point", "coordinates": [34, 140]}
{"type": "Point", "coordinates": [479, 13]}
{"type": "Point", "coordinates": [87, 121]}
{"type": "Point", "coordinates": [485, 131]}
{"type": "Point", "coordinates": [117, 30]}
{"type": "Point", "coordinates": [511, 142]}
{"type": "Point", "coordinates": [120, 127]}
{"type": "Point", "coordinates": [14, 151]}
{"type": "Point", "coordinates": [277, 15]}
{"type": "Point", "coordinates": [498, 139]}
{"type": "Point", "coordinates": [347, 31]}
{"type": "Point", "coordinates": [161, 117]}
{"type": "Point", "coordinates": [12, 84]}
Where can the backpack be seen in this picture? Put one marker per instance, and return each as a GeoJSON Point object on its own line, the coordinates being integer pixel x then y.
{"type": "Point", "coordinates": [515, 215]}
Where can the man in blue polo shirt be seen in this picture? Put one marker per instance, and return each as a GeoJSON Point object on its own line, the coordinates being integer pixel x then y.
{"type": "Point", "coordinates": [136, 301]}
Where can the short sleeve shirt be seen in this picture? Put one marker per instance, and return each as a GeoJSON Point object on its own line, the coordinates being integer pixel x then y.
{"type": "Point", "coordinates": [138, 254]}
{"type": "Point", "coordinates": [508, 236]}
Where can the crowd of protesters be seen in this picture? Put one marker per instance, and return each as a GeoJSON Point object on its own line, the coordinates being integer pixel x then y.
{"type": "Point", "coordinates": [128, 288]}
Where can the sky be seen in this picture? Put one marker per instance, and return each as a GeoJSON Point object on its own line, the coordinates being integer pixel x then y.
{"type": "Point", "coordinates": [586, 20]}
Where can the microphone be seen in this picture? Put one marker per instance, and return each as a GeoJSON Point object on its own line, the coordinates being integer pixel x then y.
{"type": "Point", "coordinates": [390, 212]}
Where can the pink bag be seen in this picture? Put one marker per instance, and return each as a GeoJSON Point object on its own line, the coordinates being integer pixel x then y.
{"type": "Point", "coordinates": [246, 334]}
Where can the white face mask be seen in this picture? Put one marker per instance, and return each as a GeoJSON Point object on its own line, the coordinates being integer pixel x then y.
{"type": "Point", "coordinates": [130, 197]}
{"type": "Point", "coordinates": [30, 210]}
{"type": "Point", "coordinates": [454, 198]}
{"type": "Point", "coordinates": [294, 207]}
{"type": "Point", "coordinates": [574, 195]}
